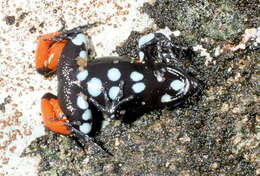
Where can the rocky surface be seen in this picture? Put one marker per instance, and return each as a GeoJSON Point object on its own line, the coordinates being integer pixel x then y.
{"type": "Point", "coordinates": [214, 133]}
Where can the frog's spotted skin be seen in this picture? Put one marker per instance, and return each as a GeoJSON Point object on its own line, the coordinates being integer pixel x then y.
{"type": "Point", "coordinates": [108, 82]}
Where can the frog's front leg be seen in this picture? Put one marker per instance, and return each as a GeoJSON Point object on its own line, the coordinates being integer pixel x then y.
{"type": "Point", "coordinates": [52, 115]}
{"type": "Point", "coordinates": [159, 47]}
{"type": "Point", "coordinates": [112, 100]}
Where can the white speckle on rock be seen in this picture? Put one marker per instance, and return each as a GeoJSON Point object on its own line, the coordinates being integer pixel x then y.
{"type": "Point", "coordinates": [176, 33]}
{"type": "Point", "coordinates": [203, 53]}
{"type": "Point", "coordinates": [167, 32]}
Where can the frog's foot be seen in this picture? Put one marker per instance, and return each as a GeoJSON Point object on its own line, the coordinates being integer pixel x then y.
{"type": "Point", "coordinates": [52, 115]}
{"type": "Point", "coordinates": [48, 53]}
{"type": "Point", "coordinates": [112, 102]}
{"type": "Point", "coordinates": [157, 45]}
{"type": "Point", "coordinates": [70, 34]}
{"type": "Point", "coordinates": [87, 138]}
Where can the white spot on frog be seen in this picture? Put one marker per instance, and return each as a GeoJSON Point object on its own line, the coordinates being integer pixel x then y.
{"type": "Point", "coordinates": [166, 98]}
{"type": "Point", "coordinates": [83, 54]}
{"type": "Point", "coordinates": [113, 92]}
{"type": "Point", "coordinates": [177, 85]}
{"type": "Point", "coordinates": [79, 39]}
{"type": "Point", "coordinates": [82, 75]}
{"type": "Point", "coordinates": [145, 39]}
{"type": "Point", "coordinates": [138, 87]}
{"type": "Point", "coordinates": [81, 102]}
{"type": "Point", "coordinates": [87, 115]}
{"type": "Point", "coordinates": [113, 74]}
{"type": "Point", "coordinates": [94, 87]}
{"type": "Point", "coordinates": [141, 55]}
{"type": "Point", "coordinates": [136, 76]}
{"type": "Point", "coordinates": [85, 128]}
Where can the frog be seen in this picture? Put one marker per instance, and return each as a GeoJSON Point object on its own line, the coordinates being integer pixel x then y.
{"type": "Point", "coordinates": [107, 84]}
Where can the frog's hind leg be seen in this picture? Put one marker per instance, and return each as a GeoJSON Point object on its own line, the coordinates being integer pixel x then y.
{"type": "Point", "coordinates": [48, 53]}
{"type": "Point", "coordinates": [52, 115]}
{"type": "Point", "coordinates": [152, 42]}
{"type": "Point", "coordinates": [50, 47]}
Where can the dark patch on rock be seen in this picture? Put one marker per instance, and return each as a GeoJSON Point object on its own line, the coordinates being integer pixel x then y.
{"type": "Point", "coordinates": [10, 20]}
{"type": "Point", "coordinates": [216, 19]}
{"type": "Point", "coordinates": [23, 15]}
{"type": "Point", "coordinates": [32, 29]}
